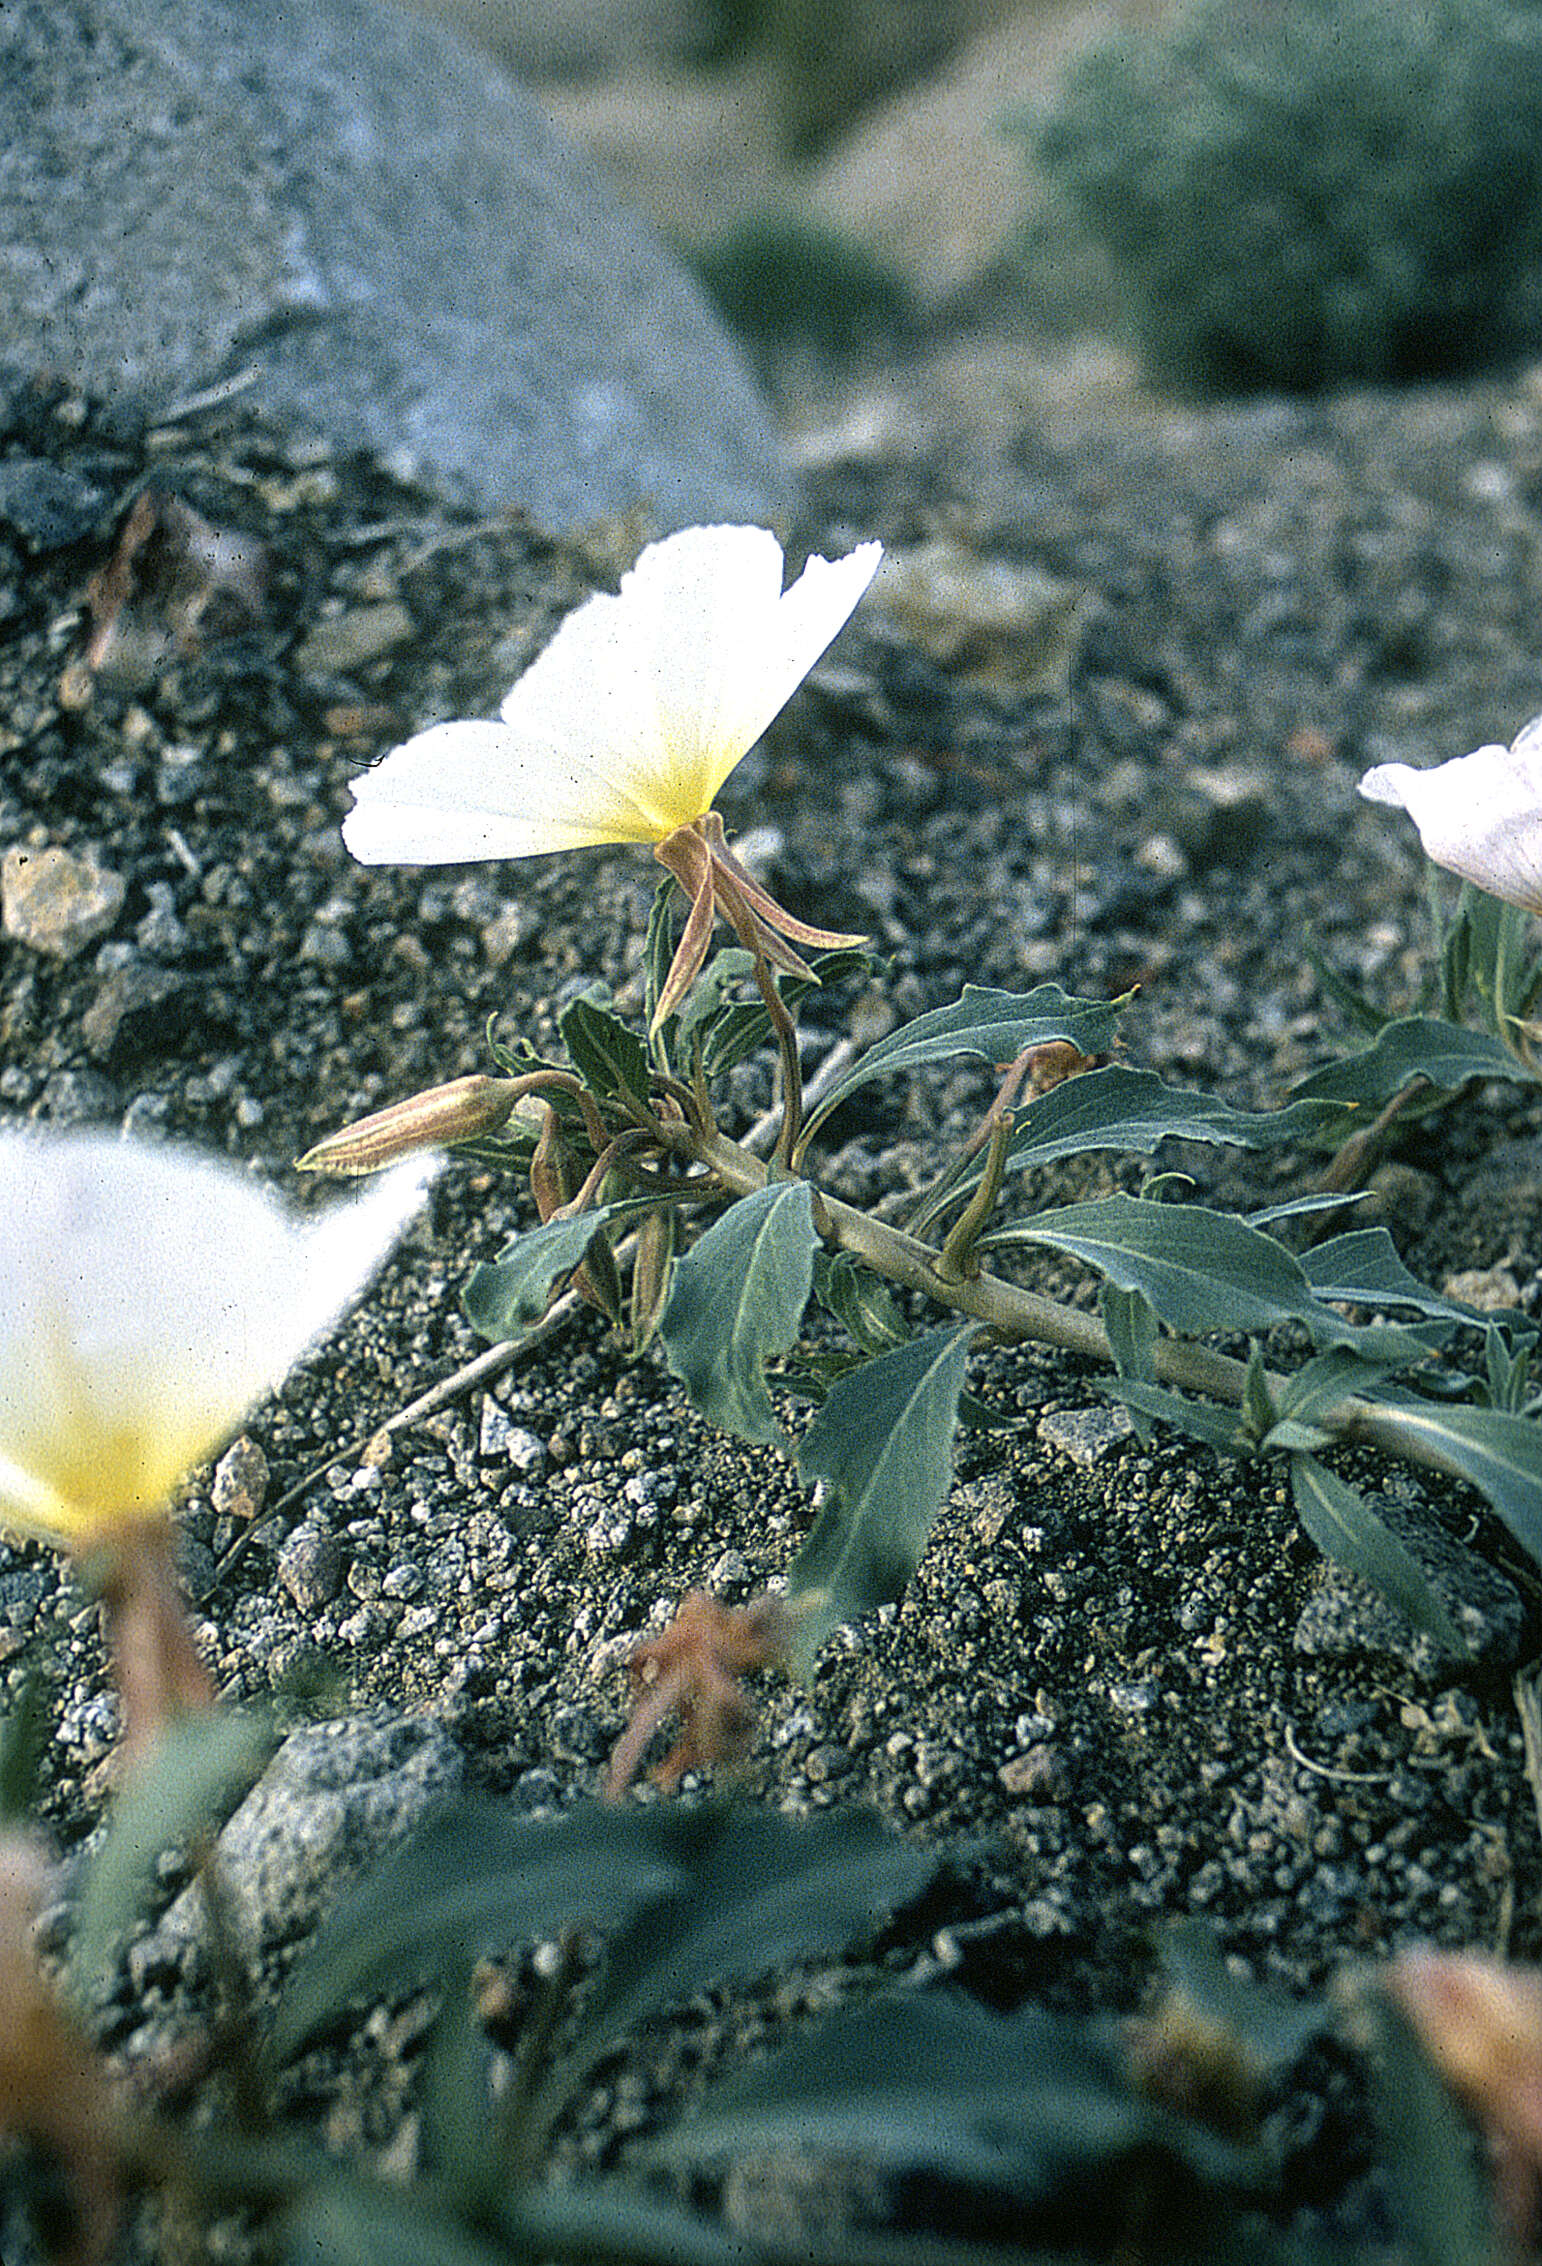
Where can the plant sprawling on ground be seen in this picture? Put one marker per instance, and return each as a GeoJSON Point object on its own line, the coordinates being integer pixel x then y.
{"type": "Point", "coordinates": [536, 1953]}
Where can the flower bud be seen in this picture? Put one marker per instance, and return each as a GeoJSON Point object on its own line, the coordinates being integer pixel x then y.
{"type": "Point", "coordinates": [434, 1119]}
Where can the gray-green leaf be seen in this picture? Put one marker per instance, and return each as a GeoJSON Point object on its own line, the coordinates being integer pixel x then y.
{"type": "Point", "coordinates": [1499, 1454]}
{"type": "Point", "coordinates": [1201, 1270]}
{"type": "Point", "coordinates": [996, 1025]}
{"type": "Point", "coordinates": [607, 1055]}
{"type": "Point", "coordinates": [1133, 1110]}
{"type": "Point", "coordinates": [883, 1445]}
{"type": "Point", "coordinates": [1344, 1527]}
{"type": "Point", "coordinates": [507, 1294]}
{"type": "Point", "coordinates": [736, 1302]}
{"type": "Point", "coordinates": [1419, 1046]}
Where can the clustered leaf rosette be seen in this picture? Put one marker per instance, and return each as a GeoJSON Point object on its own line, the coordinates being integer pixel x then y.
{"type": "Point", "coordinates": [147, 1299]}
{"type": "Point", "coordinates": [1479, 816]}
{"type": "Point", "coordinates": [625, 728]}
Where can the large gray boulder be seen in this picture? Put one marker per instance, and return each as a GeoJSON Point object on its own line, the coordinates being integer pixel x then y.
{"type": "Point", "coordinates": [348, 204]}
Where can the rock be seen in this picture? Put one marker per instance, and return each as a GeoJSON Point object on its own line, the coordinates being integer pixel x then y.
{"type": "Point", "coordinates": [1216, 816]}
{"type": "Point", "coordinates": [1490, 1289]}
{"type": "Point", "coordinates": [342, 643]}
{"type": "Point", "coordinates": [1346, 1619]}
{"type": "Point", "coordinates": [940, 182]}
{"type": "Point", "coordinates": [139, 1010]}
{"type": "Point", "coordinates": [57, 902]}
{"type": "Point", "coordinates": [310, 1566]}
{"type": "Point", "coordinates": [984, 619]}
{"type": "Point", "coordinates": [1086, 1435]}
{"type": "Point", "coordinates": [835, 57]}
{"type": "Point", "coordinates": [48, 507]}
{"type": "Point", "coordinates": [240, 1480]}
{"type": "Point", "coordinates": [332, 1799]}
{"type": "Point", "coordinates": [374, 236]}
{"type": "Point", "coordinates": [696, 154]}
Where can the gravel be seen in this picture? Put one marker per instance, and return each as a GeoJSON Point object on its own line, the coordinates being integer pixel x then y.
{"type": "Point", "coordinates": [1122, 1672]}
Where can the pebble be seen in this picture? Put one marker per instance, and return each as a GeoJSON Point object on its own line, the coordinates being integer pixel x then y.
{"type": "Point", "coordinates": [1490, 1289]}
{"type": "Point", "coordinates": [137, 1012]}
{"type": "Point", "coordinates": [984, 619]}
{"type": "Point", "coordinates": [240, 1485]}
{"type": "Point", "coordinates": [1086, 1435]}
{"type": "Point", "coordinates": [57, 902]}
{"type": "Point", "coordinates": [310, 1566]}
{"type": "Point", "coordinates": [333, 1799]}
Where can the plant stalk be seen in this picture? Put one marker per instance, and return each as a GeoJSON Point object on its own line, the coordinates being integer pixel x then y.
{"type": "Point", "coordinates": [1016, 1314]}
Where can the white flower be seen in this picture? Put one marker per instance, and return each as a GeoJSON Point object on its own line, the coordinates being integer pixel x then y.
{"type": "Point", "coordinates": [1479, 815]}
{"type": "Point", "coordinates": [628, 723]}
{"type": "Point", "coordinates": [147, 1298]}
{"type": "Point", "coordinates": [623, 731]}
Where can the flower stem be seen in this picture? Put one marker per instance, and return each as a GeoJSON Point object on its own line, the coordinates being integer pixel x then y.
{"type": "Point", "coordinates": [1016, 1314]}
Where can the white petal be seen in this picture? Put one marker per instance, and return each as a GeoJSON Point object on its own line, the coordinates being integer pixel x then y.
{"type": "Point", "coordinates": [146, 1299]}
{"type": "Point", "coordinates": [462, 791]}
{"type": "Point", "coordinates": [1479, 815]}
{"type": "Point", "coordinates": [628, 723]}
{"type": "Point", "coordinates": [728, 647]}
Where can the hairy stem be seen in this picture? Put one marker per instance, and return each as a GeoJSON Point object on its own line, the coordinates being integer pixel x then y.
{"type": "Point", "coordinates": [1014, 1313]}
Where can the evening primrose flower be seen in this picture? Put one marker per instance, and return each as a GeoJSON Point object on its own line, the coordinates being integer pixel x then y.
{"type": "Point", "coordinates": [624, 729]}
{"type": "Point", "coordinates": [147, 1298]}
{"type": "Point", "coordinates": [1479, 815]}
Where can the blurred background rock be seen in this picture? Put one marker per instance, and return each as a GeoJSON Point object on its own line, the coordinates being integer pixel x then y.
{"type": "Point", "coordinates": [836, 170]}
{"type": "Point", "coordinates": [1245, 195]}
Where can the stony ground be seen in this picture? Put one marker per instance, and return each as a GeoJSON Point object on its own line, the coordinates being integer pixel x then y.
{"type": "Point", "coordinates": [1122, 1672]}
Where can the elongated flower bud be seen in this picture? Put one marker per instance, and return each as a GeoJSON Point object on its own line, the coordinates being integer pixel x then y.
{"type": "Point", "coordinates": [434, 1119]}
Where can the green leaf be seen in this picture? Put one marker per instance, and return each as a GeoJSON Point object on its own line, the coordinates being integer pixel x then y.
{"type": "Point", "coordinates": [1134, 1111]}
{"type": "Point", "coordinates": [1355, 1005]}
{"type": "Point", "coordinates": [511, 1292]}
{"type": "Point", "coordinates": [1434, 2185]}
{"type": "Point", "coordinates": [608, 1056]}
{"type": "Point", "coordinates": [995, 1025]}
{"type": "Point", "coordinates": [736, 1302]}
{"type": "Point", "coordinates": [1273, 2030]}
{"type": "Point", "coordinates": [1133, 1331]}
{"type": "Point", "coordinates": [1201, 1270]}
{"type": "Point", "coordinates": [455, 2094]}
{"type": "Point", "coordinates": [200, 1767]}
{"type": "Point", "coordinates": [743, 1025]}
{"type": "Point", "coordinates": [1418, 1046]}
{"type": "Point", "coordinates": [1219, 1428]}
{"type": "Point", "coordinates": [709, 997]}
{"type": "Point", "coordinates": [1363, 1268]}
{"type": "Point", "coordinates": [344, 2221]}
{"type": "Point", "coordinates": [859, 1301]}
{"type": "Point", "coordinates": [1025, 2112]}
{"type": "Point", "coordinates": [1499, 1454]}
{"type": "Point", "coordinates": [615, 2220]}
{"type": "Point", "coordinates": [757, 1892]}
{"type": "Point", "coordinates": [475, 1880]}
{"type": "Point", "coordinates": [883, 1445]}
{"type": "Point", "coordinates": [1508, 1370]}
{"type": "Point", "coordinates": [1324, 1382]}
{"type": "Point", "coordinates": [728, 1027]}
{"type": "Point", "coordinates": [658, 952]}
{"type": "Point", "coordinates": [1345, 1528]}
{"type": "Point", "coordinates": [1304, 1207]}
{"type": "Point", "coordinates": [24, 1736]}
{"type": "Point", "coordinates": [1488, 948]}
{"type": "Point", "coordinates": [1257, 1412]}
{"type": "Point", "coordinates": [1131, 1110]}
